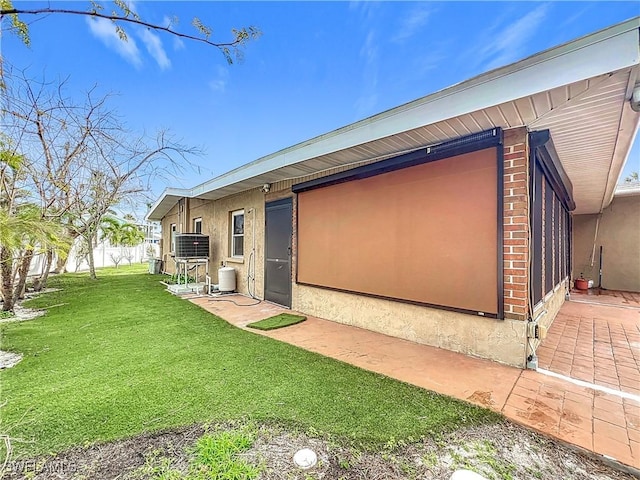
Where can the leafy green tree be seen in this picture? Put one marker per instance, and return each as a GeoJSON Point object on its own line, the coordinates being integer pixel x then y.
{"type": "Point", "coordinates": [24, 231]}
{"type": "Point", "coordinates": [632, 178]}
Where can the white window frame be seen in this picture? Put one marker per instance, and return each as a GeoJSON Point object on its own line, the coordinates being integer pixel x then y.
{"type": "Point", "coordinates": [173, 228]}
{"type": "Point", "coordinates": [233, 235]}
{"type": "Point", "coordinates": [195, 222]}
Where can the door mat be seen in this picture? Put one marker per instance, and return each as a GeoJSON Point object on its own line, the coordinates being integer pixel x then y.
{"type": "Point", "coordinates": [279, 321]}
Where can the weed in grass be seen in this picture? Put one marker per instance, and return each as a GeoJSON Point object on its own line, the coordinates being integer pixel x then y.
{"type": "Point", "coordinates": [409, 468]}
{"type": "Point", "coordinates": [5, 315]}
{"type": "Point", "coordinates": [215, 456]}
{"type": "Point", "coordinates": [157, 467]}
{"type": "Point", "coordinates": [534, 472]}
{"type": "Point", "coordinates": [488, 455]}
{"type": "Point", "coordinates": [430, 459]}
{"type": "Point", "coordinates": [343, 463]}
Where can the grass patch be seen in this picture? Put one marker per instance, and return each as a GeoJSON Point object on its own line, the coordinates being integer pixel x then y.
{"type": "Point", "coordinates": [120, 356]}
{"type": "Point", "coordinates": [278, 321]}
{"type": "Point", "coordinates": [216, 456]}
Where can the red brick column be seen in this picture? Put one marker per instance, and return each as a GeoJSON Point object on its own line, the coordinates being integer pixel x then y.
{"type": "Point", "coordinates": [516, 224]}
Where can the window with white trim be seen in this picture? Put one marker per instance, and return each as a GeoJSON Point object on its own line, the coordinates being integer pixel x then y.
{"type": "Point", "coordinates": [237, 233]}
{"type": "Point", "coordinates": [173, 237]}
{"type": "Point", "coordinates": [197, 225]}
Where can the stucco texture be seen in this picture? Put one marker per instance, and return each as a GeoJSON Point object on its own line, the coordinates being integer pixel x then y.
{"type": "Point", "coordinates": [216, 220]}
{"type": "Point", "coordinates": [499, 340]}
{"type": "Point", "coordinates": [619, 235]}
{"type": "Point", "coordinates": [546, 311]}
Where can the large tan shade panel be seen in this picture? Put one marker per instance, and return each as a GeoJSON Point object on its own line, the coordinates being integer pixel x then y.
{"type": "Point", "coordinates": [426, 234]}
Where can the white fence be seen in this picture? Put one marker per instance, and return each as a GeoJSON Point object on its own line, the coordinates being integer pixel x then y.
{"type": "Point", "coordinates": [103, 255]}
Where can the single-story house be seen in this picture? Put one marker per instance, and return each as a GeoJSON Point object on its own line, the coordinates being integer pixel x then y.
{"type": "Point", "coordinates": [447, 220]}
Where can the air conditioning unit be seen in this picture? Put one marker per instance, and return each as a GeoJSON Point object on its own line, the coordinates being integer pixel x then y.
{"type": "Point", "coordinates": [192, 245]}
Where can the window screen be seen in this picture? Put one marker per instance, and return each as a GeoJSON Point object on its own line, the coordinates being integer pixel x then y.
{"type": "Point", "coordinates": [237, 233]}
{"type": "Point", "coordinates": [426, 233]}
{"type": "Point", "coordinates": [550, 227]}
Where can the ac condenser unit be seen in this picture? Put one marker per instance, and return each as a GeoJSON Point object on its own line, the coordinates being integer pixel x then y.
{"type": "Point", "coordinates": [192, 245]}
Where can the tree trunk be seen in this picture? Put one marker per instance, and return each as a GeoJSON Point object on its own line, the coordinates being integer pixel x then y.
{"type": "Point", "coordinates": [61, 262]}
{"type": "Point", "coordinates": [6, 270]}
{"type": "Point", "coordinates": [23, 272]}
{"type": "Point", "coordinates": [92, 264]}
{"type": "Point", "coordinates": [41, 282]}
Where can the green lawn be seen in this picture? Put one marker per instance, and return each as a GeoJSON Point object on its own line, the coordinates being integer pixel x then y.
{"type": "Point", "coordinates": [120, 356]}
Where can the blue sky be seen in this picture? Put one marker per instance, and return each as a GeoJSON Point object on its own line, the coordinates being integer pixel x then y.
{"type": "Point", "coordinates": [317, 67]}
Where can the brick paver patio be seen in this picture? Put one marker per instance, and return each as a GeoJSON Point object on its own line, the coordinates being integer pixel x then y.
{"type": "Point", "coordinates": [596, 339]}
{"type": "Point", "coordinates": [604, 422]}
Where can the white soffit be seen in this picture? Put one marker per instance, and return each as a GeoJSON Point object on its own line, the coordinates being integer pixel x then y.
{"type": "Point", "coordinates": [578, 90]}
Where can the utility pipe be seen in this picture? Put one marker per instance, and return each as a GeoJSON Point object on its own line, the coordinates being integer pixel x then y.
{"type": "Point", "coordinates": [595, 239]}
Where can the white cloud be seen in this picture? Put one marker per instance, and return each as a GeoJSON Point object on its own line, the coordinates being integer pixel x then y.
{"type": "Point", "coordinates": [178, 44]}
{"type": "Point", "coordinates": [430, 61]}
{"type": "Point", "coordinates": [368, 99]}
{"type": "Point", "coordinates": [508, 45]}
{"type": "Point", "coordinates": [369, 50]}
{"type": "Point", "coordinates": [366, 9]}
{"type": "Point", "coordinates": [412, 23]}
{"type": "Point", "coordinates": [171, 23]}
{"type": "Point", "coordinates": [154, 46]}
{"type": "Point", "coordinates": [105, 31]}
{"type": "Point", "coordinates": [219, 83]}
{"type": "Point", "coordinates": [131, 4]}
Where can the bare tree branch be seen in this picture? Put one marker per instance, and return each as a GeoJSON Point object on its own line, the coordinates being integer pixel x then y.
{"type": "Point", "coordinates": [82, 159]}
{"type": "Point", "coordinates": [229, 49]}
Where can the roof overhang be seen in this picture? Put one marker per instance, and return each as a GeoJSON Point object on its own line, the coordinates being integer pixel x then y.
{"type": "Point", "coordinates": [166, 202]}
{"type": "Point", "coordinates": [580, 91]}
{"type": "Point", "coordinates": [630, 189]}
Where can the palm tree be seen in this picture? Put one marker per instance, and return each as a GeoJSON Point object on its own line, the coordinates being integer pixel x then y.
{"type": "Point", "coordinates": [23, 232]}
{"type": "Point", "coordinates": [23, 227]}
{"type": "Point", "coordinates": [121, 234]}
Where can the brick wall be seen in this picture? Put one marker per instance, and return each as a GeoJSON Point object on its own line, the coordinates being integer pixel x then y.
{"type": "Point", "coordinates": [516, 223]}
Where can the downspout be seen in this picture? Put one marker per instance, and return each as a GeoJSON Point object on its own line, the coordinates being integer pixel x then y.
{"type": "Point", "coordinates": [595, 240]}
{"type": "Point", "coordinates": [531, 359]}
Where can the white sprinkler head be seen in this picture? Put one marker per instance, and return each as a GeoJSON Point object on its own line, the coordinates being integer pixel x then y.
{"type": "Point", "coordinates": [305, 458]}
{"type": "Point", "coordinates": [466, 475]}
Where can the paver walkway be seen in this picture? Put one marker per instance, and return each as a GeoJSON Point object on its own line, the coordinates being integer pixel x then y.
{"type": "Point", "coordinates": [596, 338]}
{"type": "Point", "coordinates": [598, 421]}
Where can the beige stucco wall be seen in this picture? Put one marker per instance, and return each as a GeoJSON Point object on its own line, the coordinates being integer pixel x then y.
{"type": "Point", "coordinates": [499, 340]}
{"type": "Point", "coordinates": [619, 235]}
{"type": "Point", "coordinates": [545, 311]}
{"type": "Point", "coordinates": [165, 244]}
{"type": "Point", "coordinates": [216, 220]}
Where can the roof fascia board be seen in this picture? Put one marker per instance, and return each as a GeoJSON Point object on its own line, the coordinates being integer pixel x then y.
{"type": "Point", "coordinates": [627, 190]}
{"type": "Point", "coordinates": [170, 196]}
